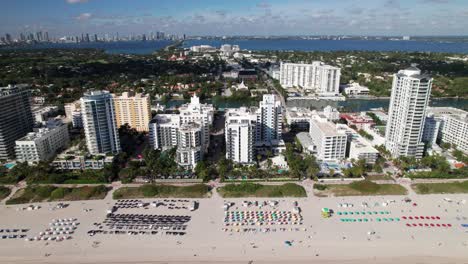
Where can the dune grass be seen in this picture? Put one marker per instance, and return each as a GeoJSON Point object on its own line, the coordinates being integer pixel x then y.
{"type": "Point", "coordinates": [259, 190]}
{"type": "Point", "coordinates": [433, 188]}
{"type": "Point", "coordinates": [4, 192]}
{"type": "Point", "coordinates": [49, 193]}
{"type": "Point", "coordinates": [162, 191]}
{"type": "Point", "coordinates": [359, 188]}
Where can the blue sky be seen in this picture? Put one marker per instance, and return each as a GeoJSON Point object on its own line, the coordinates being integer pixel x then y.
{"type": "Point", "coordinates": [237, 17]}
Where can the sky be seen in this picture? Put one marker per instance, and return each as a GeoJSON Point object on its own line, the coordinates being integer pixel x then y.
{"type": "Point", "coordinates": [236, 17]}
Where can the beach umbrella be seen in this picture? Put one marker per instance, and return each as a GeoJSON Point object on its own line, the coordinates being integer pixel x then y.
{"type": "Point", "coordinates": [408, 225]}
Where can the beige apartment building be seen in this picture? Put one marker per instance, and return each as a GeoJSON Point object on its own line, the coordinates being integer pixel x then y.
{"type": "Point", "coordinates": [134, 110]}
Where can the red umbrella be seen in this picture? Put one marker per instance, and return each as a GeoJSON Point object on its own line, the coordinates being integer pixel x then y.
{"type": "Point", "coordinates": [428, 217]}
{"type": "Point", "coordinates": [426, 224]}
{"type": "Point", "coordinates": [432, 224]}
{"type": "Point", "coordinates": [409, 225]}
{"type": "Point", "coordinates": [411, 218]}
{"type": "Point", "coordinates": [421, 224]}
{"type": "Point", "coordinates": [415, 225]}
{"type": "Point", "coordinates": [438, 218]}
{"type": "Point", "coordinates": [433, 218]}
{"type": "Point", "coordinates": [438, 225]}
{"type": "Point", "coordinates": [417, 218]}
{"type": "Point", "coordinates": [449, 225]}
{"type": "Point", "coordinates": [444, 225]}
{"type": "Point", "coordinates": [404, 217]}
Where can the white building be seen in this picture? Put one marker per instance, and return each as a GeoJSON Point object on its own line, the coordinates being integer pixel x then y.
{"type": "Point", "coordinates": [165, 129]}
{"type": "Point", "coordinates": [99, 123]}
{"type": "Point", "coordinates": [331, 113]}
{"type": "Point", "coordinates": [77, 119]}
{"type": "Point", "coordinates": [43, 143]}
{"type": "Point", "coordinates": [407, 113]}
{"type": "Point", "coordinates": [202, 48]}
{"type": "Point", "coordinates": [316, 77]}
{"type": "Point", "coordinates": [354, 89]}
{"type": "Point", "coordinates": [196, 112]}
{"type": "Point", "coordinates": [80, 162]}
{"type": "Point", "coordinates": [42, 114]}
{"type": "Point", "coordinates": [240, 134]}
{"type": "Point", "coordinates": [453, 126]}
{"type": "Point", "coordinates": [359, 147]}
{"type": "Point", "coordinates": [299, 117]}
{"type": "Point", "coordinates": [189, 150]}
{"type": "Point", "coordinates": [269, 120]}
{"type": "Point", "coordinates": [329, 141]}
{"type": "Point", "coordinates": [70, 108]}
{"type": "Point", "coordinates": [431, 129]}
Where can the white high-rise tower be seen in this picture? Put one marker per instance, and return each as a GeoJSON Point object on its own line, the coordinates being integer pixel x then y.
{"type": "Point", "coordinates": [407, 113]}
{"type": "Point", "coordinates": [99, 122]}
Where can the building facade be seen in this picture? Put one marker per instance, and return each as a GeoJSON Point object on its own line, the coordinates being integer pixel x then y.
{"type": "Point", "coordinates": [16, 119]}
{"type": "Point", "coordinates": [134, 110]}
{"type": "Point", "coordinates": [315, 77]}
{"type": "Point", "coordinates": [407, 113]}
{"type": "Point", "coordinates": [269, 121]}
{"type": "Point", "coordinates": [330, 142]}
{"type": "Point", "coordinates": [43, 143]}
{"type": "Point", "coordinates": [165, 131]}
{"type": "Point", "coordinates": [453, 126]}
{"type": "Point", "coordinates": [189, 146]}
{"type": "Point", "coordinates": [240, 135]}
{"type": "Point", "coordinates": [99, 122]}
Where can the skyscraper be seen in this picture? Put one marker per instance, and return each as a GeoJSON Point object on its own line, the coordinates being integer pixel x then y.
{"type": "Point", "coordinates": [240, 133]}
{"type": "Point", "coordinates": [134, 110]}
{"type": "Point", "coordinates": [189, 146]}
{"type": "Point", "coordinates": [318, 77]}
{"type": "Point", "coordinates": [407, 113]}
{"type": "Point", "coordinates": [16, 119]}
{"type": "Point", "coordinates": [99, 122]}
{"type": "Point", "coordinates": [270, 119]}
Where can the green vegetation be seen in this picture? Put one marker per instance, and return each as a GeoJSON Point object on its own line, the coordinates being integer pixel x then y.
{"type": "Point", "coordinates": [376, 120]}
{"type": "Point", "coordinates": [258, 190]}
{"type": "Point", "coordinates": [48, 193]}
{"type": "Point", "coordinates": [360, 188]}
{"type": "Point", "coordinates": [300, 166]}
{"type": "Point", "coordinates": [162, 191]}
{"type": "Point", "coordinates": [460, 156]}
{"type": "Point", "coordinates": [429, 188]}
{"type": "Point", "coordinates": [45, 174]}
{"type": "Point", "coordinates": [449, 75]}
{"type": "Point", "coordinates": [439, 166]}
{"type": "Point", "coordinates": [4, 192]}
{"type": "Point", "coordinates": [365, 134]}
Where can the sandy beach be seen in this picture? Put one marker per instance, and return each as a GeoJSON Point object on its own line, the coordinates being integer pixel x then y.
{"type": "Point", "coordinates": [324, 241]}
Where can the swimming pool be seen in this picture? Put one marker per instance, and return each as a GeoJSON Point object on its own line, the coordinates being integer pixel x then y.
{"type": "Point", "coordinates": [10, 165]}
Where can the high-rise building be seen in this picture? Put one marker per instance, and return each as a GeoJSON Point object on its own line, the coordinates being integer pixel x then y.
{"type": "Point", "coordinates": [270, 120]}
{"type": "Point", "coordinates": [240, 134]}
{"type": "Point", "coordinates": [198, 113]}
{"type": "Point", "coordinates": [43, 143]}
{"type": "Point", "coordinates": [99, 122]}
{"type": "Point", "coordinates": [316, 77]}
{"type": "Point", "coordinates": [134, 110]}
{"type": "Point", "coordinates": [189, 147]}
{"type": "Point", "coordinates": [407, 113]}
{"type": "Point", "coordinates": [328, 139]}
{"type": "Point", "coordinates": [453, 126]}
{"type": "Point", "coordinates": [16, 119]}
{"type": "Point", "coordinates": [164, 130]}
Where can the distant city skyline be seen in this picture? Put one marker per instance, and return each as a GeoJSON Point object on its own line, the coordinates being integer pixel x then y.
{"type": "Point", "coordinates": [262, 18]}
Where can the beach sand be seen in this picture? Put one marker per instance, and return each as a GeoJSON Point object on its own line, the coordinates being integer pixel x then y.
{"type": "Point", "coordinates": [325, 241]}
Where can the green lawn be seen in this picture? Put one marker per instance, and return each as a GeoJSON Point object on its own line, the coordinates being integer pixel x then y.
{"type": "Point", "coordinates": [162, 191]}
{"type": "Point", "coordinates": [258, 190]}
{"type": "Point", "coordinates": [382, 177]}
{"type": "Point", "coordinates": [46, 193]}
{"type": "Point", "coordinates": [4, 192]}
{"type": "Point", "coordinates": [429, 188]}
{"type": "Point", "coordinates": [359, 188]}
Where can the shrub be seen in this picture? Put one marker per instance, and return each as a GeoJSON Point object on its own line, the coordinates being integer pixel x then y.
{"type": "Point", "coordinates": [58, 193]}
{"type": "Point", "coordinates": [320, 187]}
{"type": "Point", "coordinates": [365, 186]}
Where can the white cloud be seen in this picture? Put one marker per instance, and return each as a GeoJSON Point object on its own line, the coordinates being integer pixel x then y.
{"type": "Point", "coordinates": [77, 1]}
{"type": "Point", "coordinates": [84, 17]}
